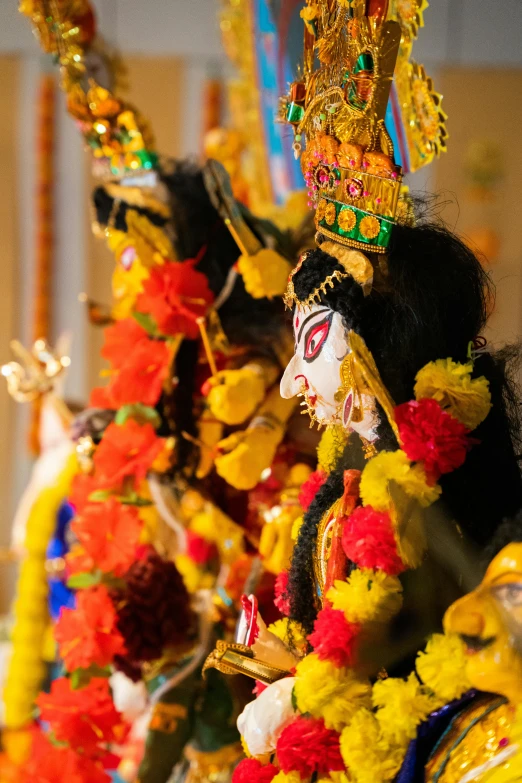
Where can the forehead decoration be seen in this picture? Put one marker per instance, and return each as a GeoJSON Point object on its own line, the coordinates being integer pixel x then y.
{"type": "Point", "coordinates": [354, 263]}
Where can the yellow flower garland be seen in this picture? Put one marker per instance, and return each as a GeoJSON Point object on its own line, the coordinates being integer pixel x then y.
{"type": "Point", "coordinates": [26, 669]}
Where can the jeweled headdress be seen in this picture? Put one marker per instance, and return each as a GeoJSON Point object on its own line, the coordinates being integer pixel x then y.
{"type": "Point", "coordinates": [339, 113]}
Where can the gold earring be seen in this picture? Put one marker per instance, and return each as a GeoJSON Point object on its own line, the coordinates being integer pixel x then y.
{"type": "Point", "coordinates": [349, 385]}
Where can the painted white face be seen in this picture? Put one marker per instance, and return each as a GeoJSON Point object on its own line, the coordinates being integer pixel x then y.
{"type": "Point", "coordinates": [315, 370]}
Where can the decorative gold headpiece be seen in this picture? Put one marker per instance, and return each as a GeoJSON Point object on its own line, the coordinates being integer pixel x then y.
{"type": "Point", "coordinates": [338, 113]}
{"type": "Point", "coordinates": [120, 139]}
{"type": "Point", "coordinates": [35, 373]}
{"type": "Point", "coordinates": [354, 263]}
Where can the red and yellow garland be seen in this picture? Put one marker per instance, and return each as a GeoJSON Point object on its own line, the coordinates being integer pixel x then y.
{"type": "Point", "coordinates": [343, 724]}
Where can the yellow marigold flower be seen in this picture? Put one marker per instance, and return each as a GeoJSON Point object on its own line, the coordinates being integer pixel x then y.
{"type": "Point", "coordinates": [442, 667]}
{"type": "Point", "coordinates": [296, 527]}
{"type": "Point", "coordinates": [331, 446]}
{"type": "Point", "coordinates": [289, 631]}
{"type": "Point", "coordinates": [290, 777]}
{"type": "Point", "coordinates": [328, 692]}
{"type": "Point", "coordinates": [395, 466]}
{"type": "Point", "coordinates": [235, 394]}
{"type": "Point", "coordinates": [264, 274]}
{"type": "Point", "coordinates": [450, 383]}
{"type": "Point", "coordinates": [191, 574]}
{"type": "Point", "coordinates": [367, 596]}
{"type": "Point", "coordinates": [403, 704]}
{"type": "Point", "coordinates": [365, 751]}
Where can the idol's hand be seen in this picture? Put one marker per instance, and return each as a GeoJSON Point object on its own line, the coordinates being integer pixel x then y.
{"type": "Point", "coordinates": [263, 720]}
{"type": "Point", "coordinates": [269, 648]}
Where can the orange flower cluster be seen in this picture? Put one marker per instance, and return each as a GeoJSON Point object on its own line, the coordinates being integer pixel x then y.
{"type": "Point", "coordinates": [108, 554]}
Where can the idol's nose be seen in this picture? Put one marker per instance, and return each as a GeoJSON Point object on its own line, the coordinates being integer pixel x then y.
{"type": "Point", "coordinates": [292, 382]}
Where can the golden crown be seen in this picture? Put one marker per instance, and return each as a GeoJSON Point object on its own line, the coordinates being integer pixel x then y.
{"type": "Point", "coordinates": [338, 109]}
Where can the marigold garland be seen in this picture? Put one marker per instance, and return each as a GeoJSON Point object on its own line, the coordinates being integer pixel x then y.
{"type": "Point", "coordinates": [373, 741]}
{"type": "Point", "coordinates": [26, 670]}
{"type": "Point", "coordinates": [450, 383]}
{"type": "Point", "coordinates": [308, 747]}
{"type": "Point", "coordinates": [367, 596]}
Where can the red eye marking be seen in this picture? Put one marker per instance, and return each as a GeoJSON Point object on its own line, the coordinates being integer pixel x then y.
{"type": "Point", "coordinates": [297, 322]}
{"type": "Point", "coordinates": [315, 338]}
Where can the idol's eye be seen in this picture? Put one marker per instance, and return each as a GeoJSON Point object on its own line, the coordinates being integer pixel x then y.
{"type": "Point", "coordinates": [315, 338]}
{"type": "Point", "coordinates": [509, 595]}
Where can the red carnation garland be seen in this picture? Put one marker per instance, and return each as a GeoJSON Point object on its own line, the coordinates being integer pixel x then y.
{"type": "Point", "coordinates": [252, 771]}
{"type": "Point", "coordinates": [334, 638]}
{"type": "Point", "coordinates": [308, 747]}
{"type": "Point", "coordinates": [433, 436]}
{"type": "Point", "coordinates": [369, 542]}
{"type": "Point", "coordinates": [281, 599]}
{"type": "Point", "coordinates": [311, 487]}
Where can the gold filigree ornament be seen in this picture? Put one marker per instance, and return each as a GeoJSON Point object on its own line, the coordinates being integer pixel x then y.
{"type": "Point", "coordinates": [354, 263]}
{"type": "Point", "coordinates": [36, 371]}
{"type": "Point", "coordinates": [234, 658]}
{"type": "Point", "coordinates": [121, 141]}
{"type": "Point", "coordinates": [410, 15]}
{"type": "Point", "coordinates": [425, 127]}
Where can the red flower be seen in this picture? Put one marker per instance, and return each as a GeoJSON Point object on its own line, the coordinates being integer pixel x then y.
{"type": "Point", "coordinates": [120, 340]}
{"type": "Point", "coordinates": [83, 718]}
{"type": "Point", "coordinates": [81, 487]}
{"type": "Point", "coordinates": [49, 763]}
{"type": "Point", "coordinates": [176, 295]}
{"type": "Point", "coordinates": [199, 549]}
{"type": "Point", "coordinates": [311, 487]}
{"type": "Point", "coordinates": [334, 638]}
{"type": "Point", "coordinates": [110, 534]}
{"type": "Point", "coordinates": [431, 435]}
{"type": "Point", "coordinates": [139, 379]}
{"type": "Point", "coordinates": [88, 634]}
{"type": "Point", "coordinates": [125, 450]}
{"type": "Point", "coordinates": [368, 541]}
{"type": "Point", "coordinates": [307, 746]}
{"type": "Point", "coordinates": [281, 599]}
{"type": "Point", "coordinates": [252, 771]}
{"type": "Point", "coordinates": [78, 561]}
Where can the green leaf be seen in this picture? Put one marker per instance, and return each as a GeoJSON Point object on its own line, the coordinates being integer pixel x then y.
{"type": "Point", "coordinates": [294, 700]}
{"type": "Point", "coordinates": [146, 322]}
{"type": "Point", "coordinates": [99, 495]}
{"type": "Point", "coordinates": [141, 413]}
{"type": "Point", "coordinates": [135, 500]}
{"type": "Point", "coordinates": [84, 580]}
{"type": "Point", "coordinates": [81, 677]}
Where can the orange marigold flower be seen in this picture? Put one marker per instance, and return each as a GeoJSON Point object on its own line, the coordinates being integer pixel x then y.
{"type": "Point", "coordinates": [110, 534]}
{"type": "Point", "coordinates": [139, 379]}
{"type": "Point", "coordinates": [84, 717]}
{"type": "Point", "coordinates": [88, 634]}
{"type": "Point", "coordinates": [120, 339]}
{"type": "Point", "coordinates": [176, 295]}
{"type": "Point", "coordinates": [125, 450]}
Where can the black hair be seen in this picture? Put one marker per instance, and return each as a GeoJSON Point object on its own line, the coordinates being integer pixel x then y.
{"type": "Point", "coordinates": [429, 301]}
